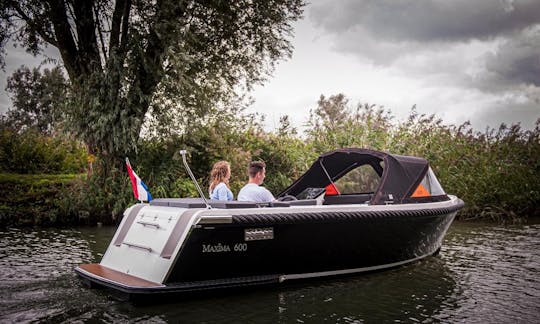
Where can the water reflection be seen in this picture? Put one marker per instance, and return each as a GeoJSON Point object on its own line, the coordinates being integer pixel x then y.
{"type": "Point", "coordinates": [484, 273]}
{"type": "Point", "coordinates": [415, 293]}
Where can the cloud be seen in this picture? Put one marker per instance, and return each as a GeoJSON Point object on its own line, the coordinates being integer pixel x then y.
{"type": "Point", "coordinates": [486, 50]}
{"type": "Point", "coordinates": [512, 73]}
{"type": "Point", "coordinates": [427, 21]}
{"type": "Point", "coordinates": [517, 60]}
{"type": "Point", "coordinates": [382, 32]}
{"type": "Point", "coordinates": [508, 110]}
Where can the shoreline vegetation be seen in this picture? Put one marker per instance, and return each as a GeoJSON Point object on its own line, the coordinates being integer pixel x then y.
{"type": "Point", "coordinates": [52, 180]}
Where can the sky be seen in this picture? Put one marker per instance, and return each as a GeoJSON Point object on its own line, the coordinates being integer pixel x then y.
{"type": "Point", "coordinates": [461, 60]}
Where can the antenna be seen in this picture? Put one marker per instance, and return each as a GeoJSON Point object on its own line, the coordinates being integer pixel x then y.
{"type": "Point", "coordinates": [183, 153]}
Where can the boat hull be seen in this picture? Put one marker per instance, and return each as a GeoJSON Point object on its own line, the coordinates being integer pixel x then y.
{"type": "Point", "coordinates": [309, 243]}
{"type": "Point", "coordinates": [247, 247]}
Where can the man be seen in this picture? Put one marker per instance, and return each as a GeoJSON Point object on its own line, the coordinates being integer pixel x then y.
{"type": "Point", "coordinates": [253, 191]}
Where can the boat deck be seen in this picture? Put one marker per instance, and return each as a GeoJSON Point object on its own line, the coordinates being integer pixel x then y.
{"type": "Point", "coordinates": [118, 277]}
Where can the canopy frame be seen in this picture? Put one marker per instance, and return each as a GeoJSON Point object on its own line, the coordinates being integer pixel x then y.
{"type": "Point", "coordinates": [400, 175]}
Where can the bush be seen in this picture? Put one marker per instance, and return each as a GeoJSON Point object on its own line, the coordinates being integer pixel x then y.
{"type": "Point", "coordinates": [29, 151]}
{"type": "Point", "coordinates": [37, 199]}
{"type": "Point", "coordinates": [495, 172]}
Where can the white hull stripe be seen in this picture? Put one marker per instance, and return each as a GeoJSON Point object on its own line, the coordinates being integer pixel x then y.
{"type": "Point", "coordinates": [348, 271]}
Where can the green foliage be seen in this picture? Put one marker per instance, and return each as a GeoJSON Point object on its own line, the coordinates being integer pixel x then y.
{"type": "Point", "coordinates": [99, 199]}
{"type": "Point", "coordinates": [496, 172]}
{"type": "Point", "coordinates": [36, 199]}
{"type": "Point", "coordinates": [128, 58]}
{"type": "Point", "coordinates": [38, 99]}
{"type": "Point", "coordinates": [30, 151]}
{"type": "Point", "coordinates": [227, 135]}
{"type": "Point", "coordinates": [334, 124]}
{"type": "Point", "coordinates": [493, 172]}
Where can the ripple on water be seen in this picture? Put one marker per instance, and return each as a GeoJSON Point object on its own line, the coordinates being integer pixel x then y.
{"type": "Point", "coordinates": [499, 270]}
{"type": "Point", "coordinates": [484, 273]}
{"type": "Point", "coordinates": [40, 255]}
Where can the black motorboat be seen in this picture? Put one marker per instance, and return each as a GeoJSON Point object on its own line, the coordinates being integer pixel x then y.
{"type": "Point", "coordinates": [354, 210]}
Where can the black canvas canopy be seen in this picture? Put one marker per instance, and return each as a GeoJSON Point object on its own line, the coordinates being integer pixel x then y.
{"type": "Point", "coordinates": [399, 177]}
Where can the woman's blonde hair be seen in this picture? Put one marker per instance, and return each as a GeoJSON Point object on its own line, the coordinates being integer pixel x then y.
{"type": "Point", "coordinates": [219, 173]}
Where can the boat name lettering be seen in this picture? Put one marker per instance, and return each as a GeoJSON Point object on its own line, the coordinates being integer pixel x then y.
{"type": "Point", "coordinates": [218, 248]}
{"type": "Point", "coordinates": [240, 247]}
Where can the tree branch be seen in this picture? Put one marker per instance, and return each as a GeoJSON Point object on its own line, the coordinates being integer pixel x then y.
{"type": "Point", "coordinates": [65, 43]}
{"type": "Point", "coordinates": [41, 32]}
{"type": "Point", "coordinates": [114, 38]}
{"type": "Point", "coordinates": [149, 69]}
{"type": "Point", "coordinates": [89, 59]}
{"type": "Point", "coordinates": [100, 33]}
{"type": "Point", "coordinates": [125, 26]}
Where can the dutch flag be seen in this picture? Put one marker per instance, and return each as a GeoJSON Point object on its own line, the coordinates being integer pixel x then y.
{"type": "Point", "coordinates": [140, 190]}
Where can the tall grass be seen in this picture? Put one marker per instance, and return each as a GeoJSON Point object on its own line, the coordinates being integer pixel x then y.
{"type": "Point", "coordinates": [495, 172]}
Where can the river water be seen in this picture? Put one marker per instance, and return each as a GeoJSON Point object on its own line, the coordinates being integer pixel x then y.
{"type": "Point", "coordinates": [485, 273]}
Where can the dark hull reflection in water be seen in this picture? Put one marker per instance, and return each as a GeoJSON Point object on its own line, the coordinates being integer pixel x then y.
{"type": "Point", "coordinates": [484, 273]}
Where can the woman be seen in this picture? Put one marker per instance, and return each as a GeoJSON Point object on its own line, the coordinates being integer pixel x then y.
{"type": "Point", "coordinates": [219, 181]}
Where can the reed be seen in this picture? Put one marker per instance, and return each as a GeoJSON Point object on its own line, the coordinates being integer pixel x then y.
{"type": "Point", "coordinates": [495, 172]}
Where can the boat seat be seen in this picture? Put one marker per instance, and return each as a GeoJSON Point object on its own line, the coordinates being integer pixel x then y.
{"type": "Point", "coordinates": [199, 203]}
{"type": "Point", "coordinates": [233, 204]}
{"type": "Point", "coordinates": [347, 199]}
{"type": "Point", "coordinates": [179, 202]}
{"type": "Point", "coordinates": [301, 202]}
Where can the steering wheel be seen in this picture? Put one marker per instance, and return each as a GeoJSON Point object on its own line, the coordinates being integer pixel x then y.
{"type": "Point", "coordinates": [287, 198]}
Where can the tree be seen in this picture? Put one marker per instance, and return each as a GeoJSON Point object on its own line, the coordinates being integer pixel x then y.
{"type": "Point", "coordinates": [37, 98]}
{"type": "Point", "coordinates": [334, 123]}
{"type": "Point", "coordinates": [330, 113]}
{"type": "Point", "coordinates": [121, 56]}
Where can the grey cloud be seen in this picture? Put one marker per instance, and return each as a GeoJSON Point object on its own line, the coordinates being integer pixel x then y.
{"type": "Point", "coordinates": [517, 60]}
{"type": "Point", "coordinates": [508, 111]}
{"type": "Point", "coordinates": [427, 21]}
{"type": "Point", "coordinates": [441, 38]}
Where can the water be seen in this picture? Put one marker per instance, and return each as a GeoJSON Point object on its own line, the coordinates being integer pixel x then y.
{"type": "Point", "coordinates": [484, 274]}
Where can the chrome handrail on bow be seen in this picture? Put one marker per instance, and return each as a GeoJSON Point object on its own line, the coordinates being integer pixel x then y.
{"type": "Point", "coordinates": [183, 153]}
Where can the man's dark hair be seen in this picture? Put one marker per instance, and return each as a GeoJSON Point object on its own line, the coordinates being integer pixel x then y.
{"type": "Point", "coordinates": [255, 167]}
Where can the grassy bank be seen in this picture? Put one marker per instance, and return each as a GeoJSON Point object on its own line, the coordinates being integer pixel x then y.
{"type": "Point", "coordinates": [36, 199]}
